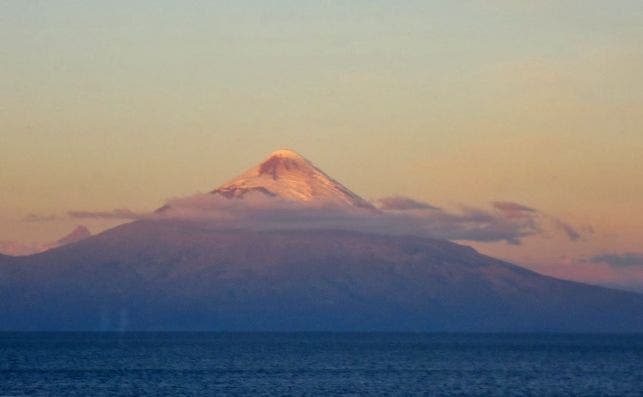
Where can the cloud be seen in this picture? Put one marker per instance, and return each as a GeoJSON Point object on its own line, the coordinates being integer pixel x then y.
{"type": "Point", "coordinates": [398, 215]}
{"type": "Point", "coordinates": [401, 203]}
{"type": "Point", "coordinates": [572, 234]}
{"type": "Point", "coordinates": [121, 213]}
{"type": "Point", "coordinates": [40, 218]}
{"type": "Point", "coordinates": [476, 224]}
{"type": "Point", "coordinates": [513, 210]}
{"type": "Point", "coordinates": [506, 221]}
{"type": "Point", "coordinates": [627, 259]}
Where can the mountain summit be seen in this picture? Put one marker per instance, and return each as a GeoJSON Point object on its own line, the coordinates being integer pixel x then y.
{"type": "Point", "coordinates": [79, 233]}
{"type": "Point", "coordinates": [13, 248]}
{"type": "Point", "coordinates": [257, 254]}
{"type": "Point", "coordinates": [287, 175]}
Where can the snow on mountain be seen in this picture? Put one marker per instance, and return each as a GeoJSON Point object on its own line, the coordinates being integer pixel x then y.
{"type": "Point", "coordinates": [288, 175]}
{"type": "Point", "coordinates": [291, 249]}
{"type": "Point", "coordinates": [286, 191]}
{"type": "Point", "coordinates": [285, 181]}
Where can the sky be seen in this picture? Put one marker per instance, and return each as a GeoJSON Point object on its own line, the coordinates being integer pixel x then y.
{"type": "Point", "coordinates": [122, 105]}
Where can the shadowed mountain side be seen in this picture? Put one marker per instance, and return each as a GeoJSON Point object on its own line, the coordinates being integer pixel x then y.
{"type": "Point", "coordinates": [166, 275]}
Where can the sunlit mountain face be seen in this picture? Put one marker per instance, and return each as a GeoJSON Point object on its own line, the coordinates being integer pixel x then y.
{"type": "Point", "coordinates": [289, 176]}
{"type": "Point", "coordinates": [286, 247]}
{"type": "Point", "coordinates": [285, 178]}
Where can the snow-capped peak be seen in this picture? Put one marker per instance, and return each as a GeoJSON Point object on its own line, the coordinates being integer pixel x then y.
{"type": "Point", "coordinates": [287, 153]}
{"type": "Point", "coordinates": [289, 176]}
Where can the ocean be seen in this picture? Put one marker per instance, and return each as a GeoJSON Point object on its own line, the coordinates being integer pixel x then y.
{"type": "Point", "coordinates": [344, 364]}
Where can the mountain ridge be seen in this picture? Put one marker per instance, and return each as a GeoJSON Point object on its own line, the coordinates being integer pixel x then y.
{"type": "Point", "coordinates": [172, 270]}
{"type": "Point", "coordinates": [10, 248]}
{"type": "Point", "coordinates": [288, 175]}
{"type": "Point", "coordinates": [164, 275]}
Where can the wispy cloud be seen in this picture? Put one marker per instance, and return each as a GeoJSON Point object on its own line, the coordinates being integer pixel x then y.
{"type": "Point", "coordinates": [115, 214]}
{"type": "Point", "coordinates": [570, 231]}
{"type": "Point", "coordinates": [627, 259]}
{"type": "Point", "coordinates": [40, 218]}
{"type": "Point", "coordinates": [120, 213]}
{"type": "Point", "coordinates": [396, 215]}
{"type": "Point", "coordinates": [401, 203]}
{"type": "Point", "coordinates": [504, 221]}
{"type": "Point", "coordinates": [513, 210]}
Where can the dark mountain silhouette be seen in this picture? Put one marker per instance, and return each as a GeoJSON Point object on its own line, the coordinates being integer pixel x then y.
{"type": "Point", "coordinates": [165, 275]}
{"type": "Point", "coordinates": [171, 273]}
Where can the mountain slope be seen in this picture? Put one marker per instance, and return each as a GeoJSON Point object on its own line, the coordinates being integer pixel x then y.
{"type": "Point", "coordinates": [79, 233]}
{"type": "Point", "coordinates": [289, 176]}
{"type": "Point", "coordinates": [258, 254]}
{"type": "Point", "coordinates": [191, 275]}
{"type": "Point", "coordinates": [20, 249]}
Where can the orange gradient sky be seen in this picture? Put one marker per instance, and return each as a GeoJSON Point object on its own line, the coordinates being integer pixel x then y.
{"type": "Point", "coordinates": [111, 105]}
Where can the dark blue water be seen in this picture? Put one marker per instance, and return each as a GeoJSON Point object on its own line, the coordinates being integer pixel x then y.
{"type": "Point", "coordinates": [71, 364]}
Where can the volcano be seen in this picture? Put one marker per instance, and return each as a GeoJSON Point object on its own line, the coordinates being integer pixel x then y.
{"type": "Point", "coordinates": [288, 175]}
{"type": "Point", "coordinates": [290, 178]}
{"type": "Point", "coordinates": [167, 272]}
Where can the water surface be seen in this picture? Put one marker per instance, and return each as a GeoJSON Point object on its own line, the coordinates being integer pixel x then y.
{"type": "Point", "coordinates": [106, 364]}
